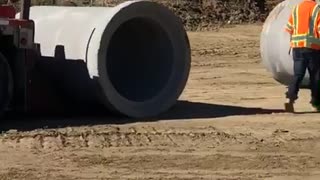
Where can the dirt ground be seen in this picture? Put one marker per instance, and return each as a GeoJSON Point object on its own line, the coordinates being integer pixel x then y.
{"type": "Point", "coordinates": [229, 124]}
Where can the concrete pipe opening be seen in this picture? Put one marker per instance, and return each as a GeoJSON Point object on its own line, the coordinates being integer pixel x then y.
{"type": "Point", "coordinates": [139, 59]}
{"type": "Point", "coordinates": [133, 58]}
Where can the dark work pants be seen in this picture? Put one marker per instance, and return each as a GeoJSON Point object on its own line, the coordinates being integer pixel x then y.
{"type": "Point", "coordinates": [303, 59]}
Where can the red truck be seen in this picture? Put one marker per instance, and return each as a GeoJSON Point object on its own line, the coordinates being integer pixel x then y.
{"type": "Point", "coordinates": [16, 45]}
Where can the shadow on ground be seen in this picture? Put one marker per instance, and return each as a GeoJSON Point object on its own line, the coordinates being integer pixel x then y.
{"type": "Point", "coordinates": [184, 110]}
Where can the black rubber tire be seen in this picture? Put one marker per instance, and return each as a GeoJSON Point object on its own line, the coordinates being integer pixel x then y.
{"type": "Point", "coordinates": [6, 84]}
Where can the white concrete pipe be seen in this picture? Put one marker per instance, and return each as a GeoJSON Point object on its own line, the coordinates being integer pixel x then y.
{"type": "Point", "coordinates": [275, 43]}
{"type": "Point", "coordinates": [133, 58]}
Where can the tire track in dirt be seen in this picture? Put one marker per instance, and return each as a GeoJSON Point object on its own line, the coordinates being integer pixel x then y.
{"type": "Point", "coordinates": [206, 138]}
{"type": "Point", "coordinates": [62, 139]}
{"type": "Point", "coordinates": [199, 164]}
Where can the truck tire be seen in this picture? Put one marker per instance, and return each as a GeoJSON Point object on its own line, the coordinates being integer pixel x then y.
{"type": "Point", "coordinates": [6, 84]}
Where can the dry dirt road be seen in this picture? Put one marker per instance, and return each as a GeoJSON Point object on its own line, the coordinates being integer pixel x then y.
{"type": "Point", "coordinates": [229, 124]}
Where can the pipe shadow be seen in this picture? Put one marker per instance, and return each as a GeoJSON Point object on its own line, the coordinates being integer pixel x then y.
{"type": "Point", "coordinates": [183, 110]}
{"type": "Point", "coordinates": [306, 112]}
{"type": "Point", "coordinates": [196, 110]}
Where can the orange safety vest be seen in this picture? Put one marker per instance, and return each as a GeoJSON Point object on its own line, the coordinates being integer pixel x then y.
{"type": "Point", "coordinates": [304, 25]}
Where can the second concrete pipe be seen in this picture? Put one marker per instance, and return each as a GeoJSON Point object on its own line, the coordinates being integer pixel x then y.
{"type": "Point", "coordinates": [275, 44]}
{"type": "Point", "coordinates": [133, 58]}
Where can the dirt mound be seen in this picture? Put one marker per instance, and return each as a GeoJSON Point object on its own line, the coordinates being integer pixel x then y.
{"type": "Point", "coordinates": [196, 14]}
{"type": "Point", "coordinates": [210, 14]}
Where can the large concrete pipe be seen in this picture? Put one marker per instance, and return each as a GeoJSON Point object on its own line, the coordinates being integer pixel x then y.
{"type": "Point", "coordinates": [133, 58]}
{"type": "Point", "coordinates": [275, 43]}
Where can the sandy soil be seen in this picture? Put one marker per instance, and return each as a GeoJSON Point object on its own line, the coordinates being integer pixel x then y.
{"type": "Point", "coordinates": [229, 124]}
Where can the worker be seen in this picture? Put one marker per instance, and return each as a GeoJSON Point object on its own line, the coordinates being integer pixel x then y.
{"type": "Point", "coordinates": [304, 28]}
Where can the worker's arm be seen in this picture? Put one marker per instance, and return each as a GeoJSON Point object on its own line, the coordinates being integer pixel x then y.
{"type": "Point", "coordinates": [318, 24]}
{"type": "Point", "coordinates": [289, 26]}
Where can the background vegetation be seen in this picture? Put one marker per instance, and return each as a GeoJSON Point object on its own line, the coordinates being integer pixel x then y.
{"type": "Point", "coordinates": [195, 14]}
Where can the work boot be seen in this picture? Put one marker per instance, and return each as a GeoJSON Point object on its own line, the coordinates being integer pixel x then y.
{"type": "Point", "coordinates": [289, 106]}
{"type": "Point", "coordinates": [316, 107]}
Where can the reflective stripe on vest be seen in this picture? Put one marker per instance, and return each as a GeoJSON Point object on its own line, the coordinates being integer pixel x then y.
{"type": "Point", "coordinates": [313, 24]}
{"type": "Point", "coordinates": [309, 37]}
{"type": "Point", "coordinates": [295, 25]}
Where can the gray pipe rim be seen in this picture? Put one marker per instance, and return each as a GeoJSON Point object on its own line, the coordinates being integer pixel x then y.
{"type": "Point", "coordinates": [182, 60]}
